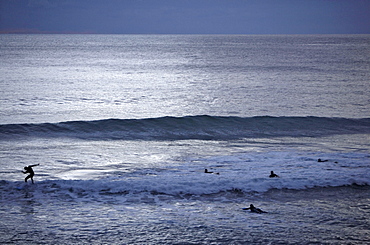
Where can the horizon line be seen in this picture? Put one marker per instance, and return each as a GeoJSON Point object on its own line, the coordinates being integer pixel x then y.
{"type": "Point", "coordinates": [35, 31]}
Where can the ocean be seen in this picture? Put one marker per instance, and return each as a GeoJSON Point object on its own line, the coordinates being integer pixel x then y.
{"type": "Point", "coordinates": [124, 126]}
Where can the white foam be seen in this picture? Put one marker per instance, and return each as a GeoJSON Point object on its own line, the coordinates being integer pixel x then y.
{"type": "Point", "coordinates": [243, 172]}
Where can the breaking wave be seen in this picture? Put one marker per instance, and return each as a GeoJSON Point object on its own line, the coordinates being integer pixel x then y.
{"type": "Point", "coordinates": [191, 127]}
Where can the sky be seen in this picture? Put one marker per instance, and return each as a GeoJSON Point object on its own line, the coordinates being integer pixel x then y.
{"type": "Point", "coordinates": [186, 16]}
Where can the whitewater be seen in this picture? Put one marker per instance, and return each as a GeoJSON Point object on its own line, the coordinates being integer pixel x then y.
{"type": "Point", "coordinates": [124, 126]}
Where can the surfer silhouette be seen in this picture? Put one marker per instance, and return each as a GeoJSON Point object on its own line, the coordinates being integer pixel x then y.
{"type": "Point", "coordinates": [29, 171]}
{"type": "Point", "coordinates": [273, 175]}
{"type": "Point", "coordinates": [253, 209]}
{"type": "Point", "coordinates": [208, 172]}
{"type": "Point", "coordinates": [319, 160]}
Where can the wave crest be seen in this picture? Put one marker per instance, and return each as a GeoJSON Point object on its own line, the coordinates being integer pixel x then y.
{"type": "Point", "coordinates": [191, 127]}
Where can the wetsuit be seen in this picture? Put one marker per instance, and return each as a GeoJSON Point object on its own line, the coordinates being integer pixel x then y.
{"type": "Point", "coordinates": [30, 171]}
{"type": "Point", "coordinates": [253, 209]}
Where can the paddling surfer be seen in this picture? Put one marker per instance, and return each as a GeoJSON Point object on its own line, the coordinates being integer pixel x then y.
{"type": "Point", "coordinates": [273, 175]}
{"type": "Point", "coordinates": [253, 209]}
{"type": "Point", "coordinates": [29, 171]}
{"type": "Point", "coordinates": [319, 160]}
{"type": "Point", "coordinates": [208, 172]}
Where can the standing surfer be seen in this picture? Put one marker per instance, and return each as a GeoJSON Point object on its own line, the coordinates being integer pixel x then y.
{"type": "Point", "coordinates": [30, 171]}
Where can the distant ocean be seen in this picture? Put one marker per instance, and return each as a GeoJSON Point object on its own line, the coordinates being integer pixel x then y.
{"type": "Point", "coordinates": [124, 126]}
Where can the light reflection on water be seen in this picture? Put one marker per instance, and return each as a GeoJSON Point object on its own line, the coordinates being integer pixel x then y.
{"type": "Point", "coordinates": [146, 191]}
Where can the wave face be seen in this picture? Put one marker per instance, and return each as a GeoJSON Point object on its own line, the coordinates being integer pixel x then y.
{"type": "Point", "coordinates": [191, 127]}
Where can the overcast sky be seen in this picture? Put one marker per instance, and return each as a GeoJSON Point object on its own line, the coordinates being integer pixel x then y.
{"type": "Point", "coordinates": [186, 16]}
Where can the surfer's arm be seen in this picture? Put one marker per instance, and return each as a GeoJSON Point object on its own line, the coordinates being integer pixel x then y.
{"type": "Point", "coordinates": [34, 165]}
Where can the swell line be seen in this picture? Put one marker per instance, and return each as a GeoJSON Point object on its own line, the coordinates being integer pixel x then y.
{"type": "Point", "coordinates": [191, 127]}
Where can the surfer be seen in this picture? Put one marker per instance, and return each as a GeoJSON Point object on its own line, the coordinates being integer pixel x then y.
{"type": "Point", "coordinates": [253, 209]}
{"type": "Point", "coordinates": [30, 171]}
{"type": "Point", "coordinates": [273, 175]}
{"type": "Point", "coordinates": [319, 160]}
{"type": "Point", "coordinates": [208, 172]}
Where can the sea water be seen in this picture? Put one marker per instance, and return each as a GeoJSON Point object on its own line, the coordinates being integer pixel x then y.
{"type": "Point", "coordinates": [123, 127]}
